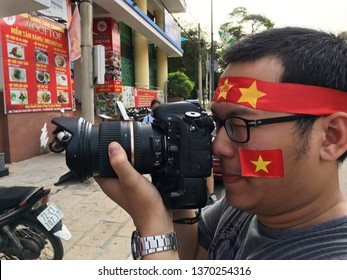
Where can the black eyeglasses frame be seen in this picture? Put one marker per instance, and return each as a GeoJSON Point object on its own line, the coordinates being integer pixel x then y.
{"type": "Point", "coordinates": [255, 123]}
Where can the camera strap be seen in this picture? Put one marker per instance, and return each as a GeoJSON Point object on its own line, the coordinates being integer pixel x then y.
{"type": "Point", "coordinates": [189, 221]}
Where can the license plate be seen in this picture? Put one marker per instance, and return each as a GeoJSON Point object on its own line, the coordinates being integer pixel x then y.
{"type": "Point", "coordinates": [50, 216]}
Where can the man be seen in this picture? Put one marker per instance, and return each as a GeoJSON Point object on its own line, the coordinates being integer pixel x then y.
{"type": "Point", "coordinates": [149, 118]}
{"type": "Point", "coordinates": [281, 114]}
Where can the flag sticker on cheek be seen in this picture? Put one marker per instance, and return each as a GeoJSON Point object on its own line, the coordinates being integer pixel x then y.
{"type": "Point", "coordinates": [261, 163]}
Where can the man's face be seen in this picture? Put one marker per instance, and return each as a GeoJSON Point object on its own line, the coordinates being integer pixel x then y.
{"type": "Point", "coordinates": [268, 196]}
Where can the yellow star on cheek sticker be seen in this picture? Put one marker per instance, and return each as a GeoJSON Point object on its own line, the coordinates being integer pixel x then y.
{"type": "Point", "coordinates": [223, 90]}
{"type": "Point", "coordinates": [261, 164]}
{"type": "Point", "coordinates": [251, 95]}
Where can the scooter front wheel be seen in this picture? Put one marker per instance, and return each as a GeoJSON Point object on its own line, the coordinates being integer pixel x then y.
{"type": "Point", "coordinates": [38, 243]}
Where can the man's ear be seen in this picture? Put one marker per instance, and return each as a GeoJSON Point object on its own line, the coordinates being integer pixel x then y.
{"type": "Point", "coordinates": [335, 143]}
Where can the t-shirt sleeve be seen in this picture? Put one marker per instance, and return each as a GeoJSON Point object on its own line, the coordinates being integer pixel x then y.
{"type": "Point", "coordinates": [209, 221]}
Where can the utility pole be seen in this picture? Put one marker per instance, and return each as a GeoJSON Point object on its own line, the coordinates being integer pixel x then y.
{"type": "Point", "coordinates": [207, 82]}
{"type": "Point", "coordinates": [200, 97]}
{"type": "Point", "coordinates": [87, 87]}
{"type": "Point", "coordinates": [212, 56]}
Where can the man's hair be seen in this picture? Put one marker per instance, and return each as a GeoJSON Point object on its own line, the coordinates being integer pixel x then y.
{"type": "Point", "coordinates": [307, 56]}
{"type": "Point", "coordinates": [155, 101]}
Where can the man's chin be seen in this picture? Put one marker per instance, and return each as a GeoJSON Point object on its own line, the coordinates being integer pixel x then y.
{"type": "Point", "coordinates": [241, 205]}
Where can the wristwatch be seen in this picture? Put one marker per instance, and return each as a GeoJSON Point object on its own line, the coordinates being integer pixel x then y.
{"type": "Point", "coordinates": [142, 246]}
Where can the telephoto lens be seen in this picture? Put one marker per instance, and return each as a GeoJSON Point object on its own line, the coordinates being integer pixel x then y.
{"type": "Point", "coordinates": [87, 151]}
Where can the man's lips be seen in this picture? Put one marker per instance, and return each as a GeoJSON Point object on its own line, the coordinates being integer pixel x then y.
{"type": "Point", "coordinates": [231, 179]}
{"type": "Point", "coordinates": [229, 175]}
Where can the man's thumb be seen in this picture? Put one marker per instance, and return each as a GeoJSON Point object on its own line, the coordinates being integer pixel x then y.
{"type": "Point", "coordinates": [119, 160]}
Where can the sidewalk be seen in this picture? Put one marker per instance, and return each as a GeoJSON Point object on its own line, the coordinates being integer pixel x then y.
{"type": "Point", "coordinates": [100, 229]}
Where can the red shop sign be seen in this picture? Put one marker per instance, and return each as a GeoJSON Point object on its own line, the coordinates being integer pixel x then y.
{"type": "Point", "coordinates": [107, 33]}
{"type": "Point", "coordinates": [36, 68]}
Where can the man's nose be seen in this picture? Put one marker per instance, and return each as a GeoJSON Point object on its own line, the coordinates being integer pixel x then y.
{"type": "Point", "coordinates": [222, 145]}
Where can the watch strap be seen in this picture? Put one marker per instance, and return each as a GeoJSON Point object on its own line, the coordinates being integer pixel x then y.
{"type": "Point", "coordinates": [142, 246]}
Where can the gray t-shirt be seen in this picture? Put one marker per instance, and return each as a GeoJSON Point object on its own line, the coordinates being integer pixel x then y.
{"type": "Point", "coordinates": [228, 233]}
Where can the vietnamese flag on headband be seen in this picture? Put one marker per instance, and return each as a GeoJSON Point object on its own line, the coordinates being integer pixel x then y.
{"type": "Point", "coordinates": [261, 163]}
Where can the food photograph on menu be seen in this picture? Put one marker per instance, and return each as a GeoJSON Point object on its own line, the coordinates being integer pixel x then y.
{"type": "Point", "coordinates": [15, 51]}
{"type": "Point", "coordinates": [61, 80]}
{"type": "Point", "coordinates": [41, 57]}
{"type": "Point", "coordinates": [42, 77]}
{"type": "Point", "coordinates": [17, 74]}
{"type": "Point", "coordinates": [44, 97]}
{"type": "Point", "coordinates": [19, 97]}
{"type": "Point", "coordinates": [60, 61]}
{"type": "Point", "coordinates": [63, 97]}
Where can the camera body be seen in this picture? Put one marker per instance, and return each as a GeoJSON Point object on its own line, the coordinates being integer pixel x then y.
{"type": "Point", "coordinates": [182, 179]}
{"type": "Point", "coordinates": [175, 149]}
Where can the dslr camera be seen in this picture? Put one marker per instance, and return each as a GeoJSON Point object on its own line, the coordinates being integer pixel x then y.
{"type": "Point", "coordinates": [175, 150]}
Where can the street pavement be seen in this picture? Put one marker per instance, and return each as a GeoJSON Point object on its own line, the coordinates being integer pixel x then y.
{"type": "Point", "coordinates": [100, 229]}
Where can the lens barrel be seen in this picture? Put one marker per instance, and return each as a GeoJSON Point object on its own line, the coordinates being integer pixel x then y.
{"type": "Point", "coordinates": [144, 145]}
{"type": "Point", "coordinates": [120, 132]}
{"type": "Point", "coordinates": [87, 151]}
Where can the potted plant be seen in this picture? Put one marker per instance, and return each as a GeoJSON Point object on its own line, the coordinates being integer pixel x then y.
{"type": "Point", "coordinates": [179, 86]}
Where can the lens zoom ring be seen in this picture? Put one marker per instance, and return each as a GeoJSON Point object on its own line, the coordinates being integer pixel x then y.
{"type": "Point", "coordinates": [137, 146]}
{"type": "Point", "coordinates": [109, 132]}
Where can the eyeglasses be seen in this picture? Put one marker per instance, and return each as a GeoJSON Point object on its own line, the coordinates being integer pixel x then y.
{"type": "Point", "coordinates": [238, 128]}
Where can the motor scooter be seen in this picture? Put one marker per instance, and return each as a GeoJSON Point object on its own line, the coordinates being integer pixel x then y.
{"type": "Point", "coordinates": [31, 226]}
{"type": "Point", "coordinates": [59, 139]}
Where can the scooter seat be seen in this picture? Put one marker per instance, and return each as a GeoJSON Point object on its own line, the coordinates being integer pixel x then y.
{"type": "Point", "coordinates": [10, 197]}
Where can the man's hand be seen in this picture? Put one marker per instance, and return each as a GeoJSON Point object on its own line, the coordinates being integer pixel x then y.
{"type": "Point", "coordinates": [136, 195]}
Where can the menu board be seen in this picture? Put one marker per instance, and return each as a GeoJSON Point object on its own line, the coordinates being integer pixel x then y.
{"type": "Point", "coordinates": [36, 68]}
{"type": "Point", "coordinates": [143, 97]}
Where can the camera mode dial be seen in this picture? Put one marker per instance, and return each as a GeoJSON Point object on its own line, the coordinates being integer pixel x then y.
{"type": "Point", "coordinates": [192, 115]}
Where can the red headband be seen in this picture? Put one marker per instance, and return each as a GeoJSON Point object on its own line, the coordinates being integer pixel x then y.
{"type": "Point", "coordinates": [280, 97]}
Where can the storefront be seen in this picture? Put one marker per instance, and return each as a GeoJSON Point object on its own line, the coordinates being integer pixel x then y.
{"type": "Point", "coordinates": [35, 82]}
{"type": "Point", "coordinates": [38, 79]}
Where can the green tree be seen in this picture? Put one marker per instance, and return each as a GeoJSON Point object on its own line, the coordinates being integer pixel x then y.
{"type": "Point", "coordinates": [343, 35]}
{"type": "Point", "coordinates": [241, 24]}
{"type": "Point", "coordinates": [188, 64]}
{"type": "Point", "coordinates": [179, 85]}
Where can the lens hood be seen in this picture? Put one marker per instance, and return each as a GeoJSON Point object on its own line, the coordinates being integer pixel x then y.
{"type": "Point", "coordinates": [79, 153]}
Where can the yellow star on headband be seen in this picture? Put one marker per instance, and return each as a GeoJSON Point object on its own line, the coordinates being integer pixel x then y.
{"type": "Point", "coordinates": [261, 164]}
{"type": "Point", "coordinates": [223, 90]}
{"type": "Point", "coordinates": [251, 95]}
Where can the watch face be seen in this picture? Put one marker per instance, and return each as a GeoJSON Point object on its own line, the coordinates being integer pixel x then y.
{"type": "Point", "coordinates": [134, 237]}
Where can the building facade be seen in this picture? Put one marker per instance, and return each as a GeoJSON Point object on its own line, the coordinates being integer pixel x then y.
{"type": "Point", "coordinates": [144, 36]}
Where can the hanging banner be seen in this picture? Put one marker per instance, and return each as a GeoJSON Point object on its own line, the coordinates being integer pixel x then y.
{"type": "Point", "coordinates": [75, 35]}
{"type": "Point", "coordinates": [143, 97]}
{"type": "Point", "coordinates": [36, 68]}
{"type": "Point", "coordinates": [106, 32]}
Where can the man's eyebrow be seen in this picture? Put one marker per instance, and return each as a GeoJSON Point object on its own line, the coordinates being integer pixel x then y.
{"type": "Point", "coordinates": [238, 112]}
